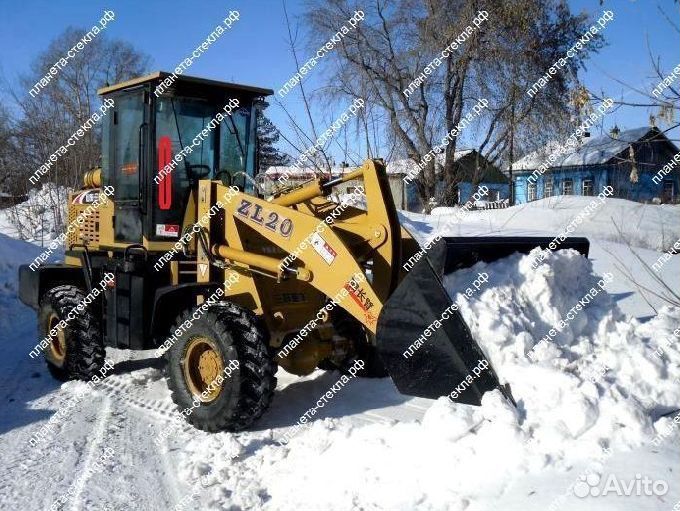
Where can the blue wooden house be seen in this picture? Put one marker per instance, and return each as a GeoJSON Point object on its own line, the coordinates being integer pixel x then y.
{"type": "Point", "coordinates": [634, 162]}
{"type": "Point", "coordinates": [473, 171]}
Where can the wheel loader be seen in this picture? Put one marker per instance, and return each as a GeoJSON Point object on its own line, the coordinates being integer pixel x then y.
{"type": "Point", "coordinates": [215, 273]}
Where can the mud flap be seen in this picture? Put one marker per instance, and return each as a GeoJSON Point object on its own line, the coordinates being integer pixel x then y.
{"type": "Point", "coordinates": [429, 361]}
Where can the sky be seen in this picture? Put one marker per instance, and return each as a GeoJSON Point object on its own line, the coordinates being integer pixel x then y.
{"type": "Point", "coordinates": [255, 51]}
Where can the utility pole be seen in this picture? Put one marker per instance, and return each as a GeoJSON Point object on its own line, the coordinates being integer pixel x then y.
{"type": "Point", "coordinates": [512, 145]}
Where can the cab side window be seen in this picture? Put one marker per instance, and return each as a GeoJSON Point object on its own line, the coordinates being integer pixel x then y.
{"type": "Point", "coordinates": [129, 118]}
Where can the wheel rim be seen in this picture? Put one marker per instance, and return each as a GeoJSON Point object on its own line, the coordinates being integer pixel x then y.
{"type": "Point", "coordinates": [202, 364]}
{"type": "Point", "coordinates": [57, 350]}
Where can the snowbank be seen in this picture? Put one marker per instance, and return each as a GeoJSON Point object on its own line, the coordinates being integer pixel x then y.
{"type": "Point", "coordinates": [39, 219]}
{"type": "Point", "coordinates": [601, 368]}
{"type": "Point", "coordinates": [640, 225]}
{"type": "Point", "coordinates": [599, 386]}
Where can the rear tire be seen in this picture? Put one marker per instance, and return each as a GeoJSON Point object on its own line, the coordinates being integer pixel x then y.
{"type": "Point", "coordinates": [77, 351]}
{"type": "Point", "coordinates": [223, 334]}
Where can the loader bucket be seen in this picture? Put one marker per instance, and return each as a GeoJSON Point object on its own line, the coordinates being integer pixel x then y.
{"type": "Point", "coordinates": [448, 361]}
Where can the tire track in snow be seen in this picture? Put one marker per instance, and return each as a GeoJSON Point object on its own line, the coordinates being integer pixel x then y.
{"type": "Point", "coordinates": [94, 451]}
{"type": "Point", "coordinates": [129, 394]}
{"type": "Point", "coordinates": [156, 487]}
{"type": "Point", "coordinates": [20, 460]}
{"type": "Point", "coordinates": [12, 380]}
{"type": "Point", "coordinates": [169, 482]}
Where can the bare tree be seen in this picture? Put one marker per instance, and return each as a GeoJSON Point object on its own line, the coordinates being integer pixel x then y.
{"type": "Point", "coordinates": [46, 121]}
{"type": "Point", "coordinates": [319, 113]}
{"type": "Point", "coordinates": [8, 178]}
{"type": "Point", "coordinates": [499, 61]}
{"type": "Point", "coordinates": [70, 98]}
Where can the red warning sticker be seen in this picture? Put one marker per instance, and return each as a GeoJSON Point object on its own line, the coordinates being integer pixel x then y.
{"type": "Point", "coordinates": [167, 230]}
{"type": "Point", "coordinates": [323, 248]}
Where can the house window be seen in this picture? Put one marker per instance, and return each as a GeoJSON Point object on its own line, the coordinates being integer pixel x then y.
{"type": "Point", "coordinates": [548, 188]}
{"type": "Point", "coordinates": [668, 190]}
{"type": "Point", "coordinates": [588, 187]}
{"type": "Point", "coordinates": [531, 192]}
{"type": "Point", "coordinates": [568, 187]}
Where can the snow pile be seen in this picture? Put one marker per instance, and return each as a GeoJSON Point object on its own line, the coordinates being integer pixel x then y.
{"type": "Point", "coordinates": [599, 381]}
{"type": "Point", "coordinates": [39, 219]}
{"type": "Point", "coordinates": [597, 386]}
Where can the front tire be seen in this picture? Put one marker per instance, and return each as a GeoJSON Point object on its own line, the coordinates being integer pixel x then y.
{"type": "Point", "coordinates": [77, 351]}
{"type": "Point", "coordinates": [210, 390]}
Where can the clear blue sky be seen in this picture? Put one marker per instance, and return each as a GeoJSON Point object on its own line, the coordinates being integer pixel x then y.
{"type": "Point", "coordinates": [255, 51]}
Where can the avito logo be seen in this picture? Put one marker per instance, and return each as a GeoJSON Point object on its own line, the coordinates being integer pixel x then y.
{"type": "Point", "coordinates": [642, 485]}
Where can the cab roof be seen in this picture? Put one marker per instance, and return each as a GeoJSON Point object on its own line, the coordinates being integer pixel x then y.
{"type": "Point", "coordinates": [159, 76]}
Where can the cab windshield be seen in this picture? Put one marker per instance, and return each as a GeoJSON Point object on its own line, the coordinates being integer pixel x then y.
{"type": "Point", "coordinates": [180, 121]}
{"type": "Point", "coordinates": [183, 121]}
{"type": "Point", "coordinates": [198, 147]}
{"type": "Point", "coordinates": [235, 141]}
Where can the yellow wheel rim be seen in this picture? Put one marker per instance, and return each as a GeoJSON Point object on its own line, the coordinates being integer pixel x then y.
{"type": "Point", "coordinates": [202, 364]}
{"type": "Point", "coordinates": [57, 349]}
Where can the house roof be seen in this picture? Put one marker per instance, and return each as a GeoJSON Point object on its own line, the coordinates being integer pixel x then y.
{"type": "Point", "coordinates": [490, 174]}
{"type": "Point", "coordinates": [404, 166]}
{"type": "Point", "coordinates": [595, 151]}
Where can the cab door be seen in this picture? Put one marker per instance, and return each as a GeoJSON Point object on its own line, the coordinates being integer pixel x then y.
{"type": "Point", "coordinates": [130, 132]}
{"type": "Point", "coordinates": [178, 122]}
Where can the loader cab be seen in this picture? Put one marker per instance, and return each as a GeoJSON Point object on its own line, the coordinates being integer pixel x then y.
{"type": "Point", "coordinates": [162, 121]}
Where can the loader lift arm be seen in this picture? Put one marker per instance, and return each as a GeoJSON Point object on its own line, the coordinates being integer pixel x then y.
{"type": "Point", "coordinates": [292, 222]}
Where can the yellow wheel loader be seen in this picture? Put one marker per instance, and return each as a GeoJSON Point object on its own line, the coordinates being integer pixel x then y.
{"type": "Point", "coordinates": [172, 245]}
